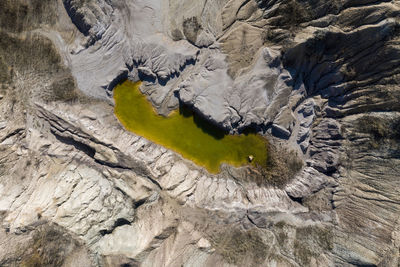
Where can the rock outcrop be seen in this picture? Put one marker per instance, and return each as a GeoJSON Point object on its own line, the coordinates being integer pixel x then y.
{"type": "Point", "coordinates": [320, 79]}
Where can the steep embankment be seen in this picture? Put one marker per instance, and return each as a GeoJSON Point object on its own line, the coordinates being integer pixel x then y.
{"type": "Point", "coordinates": [320, 78]}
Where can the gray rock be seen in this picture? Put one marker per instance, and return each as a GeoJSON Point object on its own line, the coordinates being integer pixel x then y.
{"type": "Point", "coordinates": [323, 76]}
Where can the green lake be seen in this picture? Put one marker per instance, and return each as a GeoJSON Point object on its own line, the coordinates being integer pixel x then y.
{"type": "Point", "coordinates": [186, 133]}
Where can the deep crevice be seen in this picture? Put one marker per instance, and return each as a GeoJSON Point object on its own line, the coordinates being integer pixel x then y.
{"type": "Point", "coordinates": [139, 203]}
{"type": "Point", "coordinates": [119, 222]}
{"type": "Point", "coordinates": [296, 199]}
{"type": "Point", "coordinates": [78, 145]}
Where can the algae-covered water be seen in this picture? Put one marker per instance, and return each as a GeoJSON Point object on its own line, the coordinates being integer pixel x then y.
{"type": "Point", "coordinates": [185, 132]}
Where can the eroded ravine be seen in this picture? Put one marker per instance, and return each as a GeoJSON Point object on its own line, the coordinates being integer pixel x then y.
{"type": "Point", "coordinates": [186, 133]}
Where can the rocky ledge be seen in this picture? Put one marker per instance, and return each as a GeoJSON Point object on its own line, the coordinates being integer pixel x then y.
{"type": "Point", "coordinates": [319, 79]}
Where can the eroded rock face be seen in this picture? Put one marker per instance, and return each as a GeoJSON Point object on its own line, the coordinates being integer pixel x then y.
{"type": "Point", "coordinates": [320, 79]}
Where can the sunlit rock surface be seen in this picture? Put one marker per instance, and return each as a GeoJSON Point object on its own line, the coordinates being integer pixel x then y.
{"type": "Point", "coordinates": [317, 78]}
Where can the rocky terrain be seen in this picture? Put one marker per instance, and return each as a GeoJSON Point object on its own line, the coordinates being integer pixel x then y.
{"type": "Point", "coordinates": [319, 79]}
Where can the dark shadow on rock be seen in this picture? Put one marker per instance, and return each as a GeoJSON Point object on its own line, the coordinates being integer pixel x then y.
{"type": "Point", "coordinates": [164, 82]}
{"type": "Point", "coordinates": [77, 17]}
{"type": "Point", "coordinates": [201, 122]}
{"type": "Point", "coordinates": [252, 129]}
{"type": "Point", "coordinates": [146, 78]}
{"type": "Point", "coordinates": [122, 77]}
{"type": "Point", "coordinates": [78, 145]}
{"type": "Point", "coordinates": [280, 132]}
{"type": "Point", "coordinates": [191, 61]}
